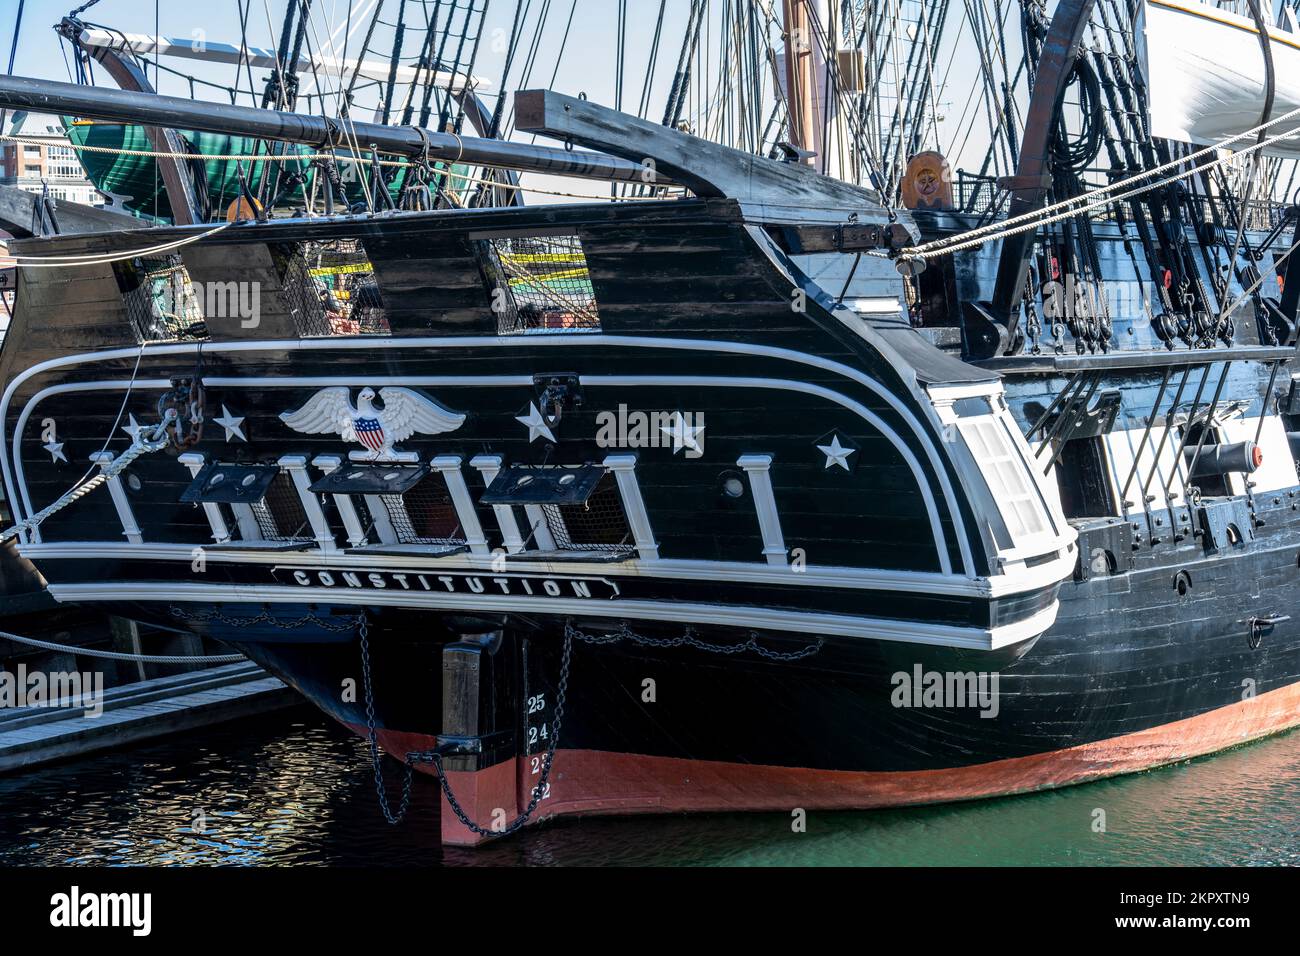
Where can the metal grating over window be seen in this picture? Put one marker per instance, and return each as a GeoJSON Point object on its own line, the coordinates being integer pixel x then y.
{"type": "Point", "coordinates": [424, 514]}
{"type": "Point", "coordinates": [330, 288]}
{"type": "Point", "coordinates": [280, 514]}
{"type": "Point", "coordinates": [598, 524]}
{"type": "Point", "coordinates": [540, 284]}
{"type": "Point", "coordinates": [161, 301]}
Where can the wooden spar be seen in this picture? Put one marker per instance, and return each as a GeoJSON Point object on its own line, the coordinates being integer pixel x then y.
{"type": "Point", "coordinates": [799, 79]}
{"type": "Point", "coordinates": [182, 191]}
{"type": "Point", "coordinates": [708, 169]}
{"type": "Point", "coordinates": [1029, 186]}
{"type": "Point", "coordinates": [120, 106]}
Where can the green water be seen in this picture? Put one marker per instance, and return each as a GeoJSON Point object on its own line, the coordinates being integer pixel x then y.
{"type": "Point", "coordinates": [292, 788]}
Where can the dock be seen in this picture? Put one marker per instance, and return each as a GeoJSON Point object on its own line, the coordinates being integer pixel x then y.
{"type": "Point", "coordinates": [33, 735]}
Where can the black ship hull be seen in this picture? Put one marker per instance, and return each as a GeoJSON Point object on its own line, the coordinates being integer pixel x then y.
{"type": "Point", "coordinates": [800, 550]}
{"type": "Point", "coordinates": [1133, 675]}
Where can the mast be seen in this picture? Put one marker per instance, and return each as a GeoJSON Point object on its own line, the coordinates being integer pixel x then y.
{"type": "Point", "coordinates": [800, 81]}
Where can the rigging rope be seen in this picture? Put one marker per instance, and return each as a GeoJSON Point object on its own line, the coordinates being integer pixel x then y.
{"type": "Point", "coordinates": [312, 157]}
{"type": "Point", "coordinates": [1084, 202]}
{"type": "Point", "coordinates": [54, 262]}
{"type": "Point", "coordinates": [123, 656]}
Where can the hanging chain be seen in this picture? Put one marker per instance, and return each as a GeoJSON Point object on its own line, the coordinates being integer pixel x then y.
{"type": "Point", "coordinates": [540, 791]}
{"type": "Point", "coordinates": [688, 639]}
{"type": "Point", "coordinates": [264, 618]}
{"type": "Point", "coordinates": [376, 759]}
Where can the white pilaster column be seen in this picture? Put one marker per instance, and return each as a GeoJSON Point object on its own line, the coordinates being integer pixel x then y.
{"type": "Point", "coordinates": [624, 469]}
{"type": "Point", "coordinates": [328, 464]}
{"type": "Point", "coordinates": [296, 466]}
{"type": "Point", "coordinates": [489, 466]}
{"type": "Point", "coordinates": [538, 528]}
{"type": "Point", "coordinates": [757, 467]}
{"type": "Point", "coordinates": [124, 513]}
{"type": "Point", "coordinates": [216, 520]}
{"type": "Point", "coordinates": [449, 467]}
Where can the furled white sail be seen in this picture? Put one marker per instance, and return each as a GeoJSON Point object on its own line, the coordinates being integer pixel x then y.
{"type": "Point", "coordinates": [1206, 78]}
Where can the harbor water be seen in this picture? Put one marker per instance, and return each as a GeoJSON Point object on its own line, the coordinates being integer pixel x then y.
{"type": "Point", "coordinates": [293, 788]}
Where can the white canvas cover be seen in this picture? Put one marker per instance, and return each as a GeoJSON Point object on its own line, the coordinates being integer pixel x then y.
{"type": "Point", "coordinates": [1205, 75]}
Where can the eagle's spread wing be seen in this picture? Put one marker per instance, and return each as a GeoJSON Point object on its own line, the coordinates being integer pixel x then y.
{"type": "Point", "coordinates": [406, 412]}
{"type": "Point", "coordinates": [329, 410]}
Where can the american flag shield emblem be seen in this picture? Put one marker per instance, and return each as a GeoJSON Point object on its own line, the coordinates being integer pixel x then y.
{"type": "Point", "coordinates": [369, 432]}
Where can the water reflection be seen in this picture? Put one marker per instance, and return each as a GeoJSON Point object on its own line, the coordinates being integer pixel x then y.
{"type": "Point", "coordinates": [292, 789]}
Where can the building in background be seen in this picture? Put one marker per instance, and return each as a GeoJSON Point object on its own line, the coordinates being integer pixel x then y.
{"type": "Point", "coordinates": [45, 157]}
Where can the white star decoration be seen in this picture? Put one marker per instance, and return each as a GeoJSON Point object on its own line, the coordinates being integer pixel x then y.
{"type": "Point", "coordinates": [132, 427]}
{"type": "Point", "coordinates": [231, 423]}
{"type": "Point", "coordinates": [537, 427]}
{"type": "Point", "coordinates": [682, 434]}
{"type": "Point", "coordinates": [55, 448]}
{"type": "Point", "coordinates": [836, 454]}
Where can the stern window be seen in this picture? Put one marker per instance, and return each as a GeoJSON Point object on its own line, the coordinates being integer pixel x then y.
{"type": "Point", "coordinates": [598, 524]}
{"type": "Point", "coordinates": [539, 284]}
{"type": "Point", "coordinates": [160, 299]}
{"type": "Point", "coordinates": [330, 288]}
{"type": "Point", "coordinates": [1017, 501]}
{"type": "Point", "coordinates": [280, 514]}
{"type": "Point", "coordinates": [425, 514]}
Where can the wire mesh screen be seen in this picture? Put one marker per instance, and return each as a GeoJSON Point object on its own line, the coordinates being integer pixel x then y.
{"type": "Point", "coordinates": [280, 515]}
{"type": "Point", "coordinates": [597, 525]}
{"type": "Point", "coordinates": [424, 514]}
{"type": "Point", "coordinates": [540, 284]}
{"type": "Point", "coordinates": [330, 288]}
{"type": "Point", "coordinates": [161, 301]}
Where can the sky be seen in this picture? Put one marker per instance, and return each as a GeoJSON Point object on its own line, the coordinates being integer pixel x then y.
{"type": "Point", "coordinates": [589, 66]}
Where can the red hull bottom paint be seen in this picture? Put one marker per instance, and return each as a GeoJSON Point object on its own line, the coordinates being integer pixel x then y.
{"type": "Point", "coordinates": [592, 782]}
